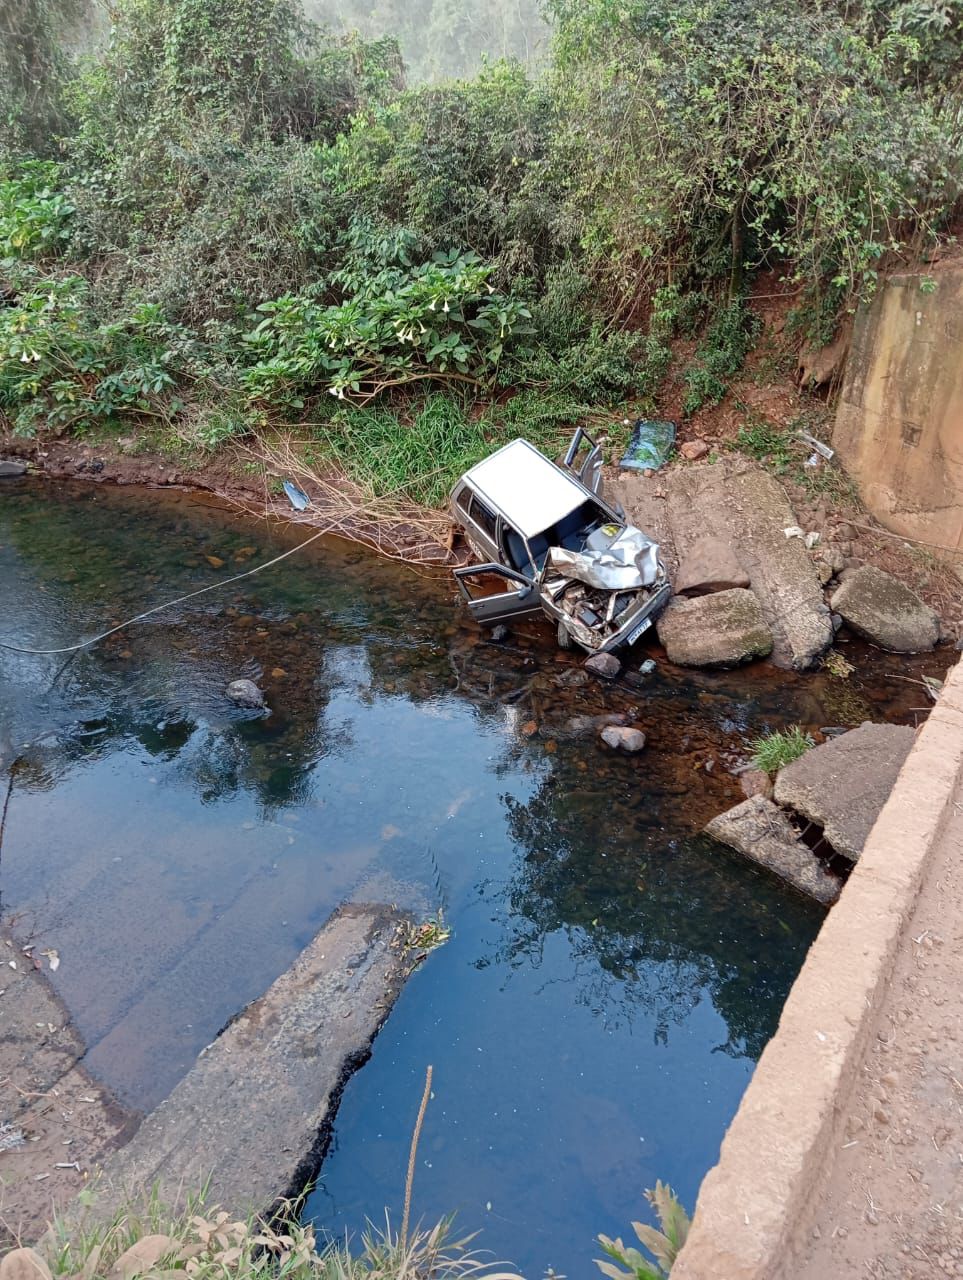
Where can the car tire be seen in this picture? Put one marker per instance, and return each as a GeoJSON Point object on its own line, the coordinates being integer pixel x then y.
{"type": "Point", "coordinates": [564, 636]}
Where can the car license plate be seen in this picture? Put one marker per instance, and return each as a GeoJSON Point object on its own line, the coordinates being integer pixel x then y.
{"type": "Point", "coordinates": [639, 630]}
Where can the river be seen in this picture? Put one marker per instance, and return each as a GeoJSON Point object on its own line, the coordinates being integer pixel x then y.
{"type": "Point", "coordinates": [611, 977]}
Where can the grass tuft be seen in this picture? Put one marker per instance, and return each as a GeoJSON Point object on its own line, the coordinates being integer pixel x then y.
{"type": "Point", "coordinates": [773, 751]}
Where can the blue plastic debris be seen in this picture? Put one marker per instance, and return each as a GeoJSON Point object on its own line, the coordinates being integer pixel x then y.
{"type": "Point", "coordinates": [650, 445]}
{"type": "Point", "coordinates": [298, 499]}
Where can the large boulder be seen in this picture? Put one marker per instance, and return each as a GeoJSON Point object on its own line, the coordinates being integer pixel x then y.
{"type": "Point", "coordinates": [843, 784]}
{"type": "Point", "coordinates": [11, 468]}
{"type": "Point", "coordinates": [710, 564]}
{"type": "Point", "coordinates": [719, 630]}
{"type": "Point", "coordinates": [761, 831]}
{"type": "Point", "coordinates": [884, 610]}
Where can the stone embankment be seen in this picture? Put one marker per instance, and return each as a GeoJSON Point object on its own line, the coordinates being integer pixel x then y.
{"type": "Point", "coordinates": [844, 1156]}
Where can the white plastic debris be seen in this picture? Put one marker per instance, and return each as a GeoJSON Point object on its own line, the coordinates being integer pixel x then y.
{"type": "Point", "coordinates": [794, 531]}
{"type": "Point", "coordinates": [811, 539]}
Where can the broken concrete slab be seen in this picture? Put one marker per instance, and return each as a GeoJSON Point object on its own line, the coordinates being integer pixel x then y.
{"type": "Point", "coordinates": [843, 784]}
{"type": "Point", "coordinates": [252, 1118]}
{"type": "Point", "coordinates": [885, 611]}
{"type": "Point", "coordinates": [761, 831]}
{"type": "Point", "coordinates": [709, 565]}
{"type": "Point", "coordinates": [738, 502]}
{"type": "Point", "coordinates": [718, 630]}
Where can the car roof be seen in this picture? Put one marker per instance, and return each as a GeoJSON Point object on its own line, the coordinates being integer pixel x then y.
{"type": "Point", "coordinates": [523, 485]}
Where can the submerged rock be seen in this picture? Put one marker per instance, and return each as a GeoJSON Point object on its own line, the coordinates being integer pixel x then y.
{"type": "Point", "coordinates": [709, 565]}
{"type": "Point", "coordinates": [885, 611]}
{"type": "Point", "coordinates": [245, 693]}
{"type": "Point", "coordinates": [761, 831]}
{"type": "Point", "coordinates": [623, 737]}
{"type": "Point", "coordinates": [843, 784]}
{"type": "Point", "coordinates": [719, 630]}
{"type": "Point", "coordinates": [603, 664]}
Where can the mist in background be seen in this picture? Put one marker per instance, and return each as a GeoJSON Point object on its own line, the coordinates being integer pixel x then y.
{"type": "Point", "coordinates": [443, 39]}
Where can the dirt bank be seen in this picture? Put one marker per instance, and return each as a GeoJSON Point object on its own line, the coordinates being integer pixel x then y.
{"type": "Point", "coordinates": [56, 1122]}
{"type": "Point", "coordinates": [402, 531]}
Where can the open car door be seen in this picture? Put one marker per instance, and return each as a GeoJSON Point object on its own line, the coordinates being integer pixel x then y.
{"type": "Point", "coordinates": [495, 593]}
{"type": "Point", "coordinates": [583, 458]}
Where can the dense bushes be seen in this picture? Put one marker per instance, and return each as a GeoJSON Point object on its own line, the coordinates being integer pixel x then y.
{"type": "Point", "coordinates": [251, 221]}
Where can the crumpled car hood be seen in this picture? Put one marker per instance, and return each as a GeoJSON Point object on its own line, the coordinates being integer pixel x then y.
{"type": "Point", "coordinates": [630, 561]}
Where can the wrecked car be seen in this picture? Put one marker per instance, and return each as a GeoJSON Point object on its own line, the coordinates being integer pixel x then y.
{"type": "Point", "coordinates": [550, 544]}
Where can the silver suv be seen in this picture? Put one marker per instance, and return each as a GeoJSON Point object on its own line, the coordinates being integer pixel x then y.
{"type": "Point", "coordinates": [550, 544]}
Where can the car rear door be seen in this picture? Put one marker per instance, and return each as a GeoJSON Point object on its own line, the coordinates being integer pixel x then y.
{"type": "Point", "coordinates": [584, 459]}
{"type": "Point", "coordinates": [495, 593]}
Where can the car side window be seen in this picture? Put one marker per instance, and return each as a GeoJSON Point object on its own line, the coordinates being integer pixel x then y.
{"type": "Point", "coordinates": [463, 500]}
{"type": "Point", "coordinates": [483, 517]}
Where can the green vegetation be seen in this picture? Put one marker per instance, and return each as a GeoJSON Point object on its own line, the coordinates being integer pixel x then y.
{"type": "Point", "coordinates": [227, 221]}
{"type": "Point", "coordinates": [664, 1245]}
{"type": "Point", "coordinates": [205, 1243]}
{"type": "Point", "coordinates": [774, 750]}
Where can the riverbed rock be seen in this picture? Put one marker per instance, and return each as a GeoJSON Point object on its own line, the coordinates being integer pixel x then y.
{"type": "Point", "coordinates": [245, 693]}
{"type": "Point", "coordinates": [252, 1116]}
{"type": "Point", "coordinates": [10, 468]}
{"type": "Point", "coordinates": [605, 665]}
{"type": "Point", "coordinates": [719, 630]}
{"type": "Point", "coordinates": [693, 450]}
{"type": "Point", "coordinates": [885, 611]}
{"type": "Point", "coordinates": [623, 737]}
{"type": "Point", "coordinates": [592, 724]}
{"type": "Point", "coordinates": [760, 831]}
{"type": "Point", "coordinates": [709, 565]}
{"type": "Point", "coordinates": [843, 784]}
{"type": "Point", "coordinates": [737, 501]}
{"type": "Point", "coordinates": [755, 782]}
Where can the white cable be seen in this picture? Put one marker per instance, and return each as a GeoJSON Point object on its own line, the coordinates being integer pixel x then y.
{"type": "Point", "coordinates": [169, 604]}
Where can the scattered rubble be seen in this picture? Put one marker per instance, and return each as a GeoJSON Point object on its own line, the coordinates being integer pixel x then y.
{"type": "Point", "coordinates": [693, 450]}
{"type": "Point", "coordinates": [718, 630]}
{"type": "Point", "coordinates": [885, 611]}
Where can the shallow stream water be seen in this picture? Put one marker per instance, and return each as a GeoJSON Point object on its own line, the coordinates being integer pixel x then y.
{"type": "Point", "coordinates": [611, 976]}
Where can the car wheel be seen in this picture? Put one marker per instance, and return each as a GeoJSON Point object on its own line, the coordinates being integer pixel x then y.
{"type": "Point", "coordinates": [565, 640]}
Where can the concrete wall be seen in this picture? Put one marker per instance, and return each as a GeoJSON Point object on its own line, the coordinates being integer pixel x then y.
{"type": "Point", "coordinates": [899, 424]}
{"type": "Point", "coordinates": [755, 1206]}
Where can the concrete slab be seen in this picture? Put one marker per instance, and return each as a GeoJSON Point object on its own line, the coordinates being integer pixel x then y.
{"type": "Point", "coordinates": [761, 831]}
{"type": "Point", "coordinates": [843, 784]}
{"type": "Point", "coordinates": [718, 630]}
{"type": "Point", "coordinates": [745, 507]}
{"type": "Point", "coordinates": [253, 1116]}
